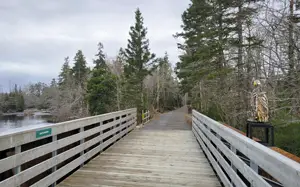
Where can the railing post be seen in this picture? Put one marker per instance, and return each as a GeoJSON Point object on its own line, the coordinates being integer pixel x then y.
{"type": "Point", "coordinates": [219, 137]}
{"type": "Point", "coordinates": [148, 116]}
{"type": "Point", "coordinates": [54, 153]}
{"type": "Point", "coordinates": [126, 122]}
{"type": "Point", "coordinates": [145, 117]}
{"type": "Point", "coordinates": [115, 127]}
{"type": "Point", "coordinates": [18, 168]}
{"type": "Point", "coordinates": [81, 142]}
{"type": "Point", "coordinates": [234, 151]}
{"type": "Point", "coordinates": [254, 167]}
{"type": "Point", "coordinates": [231, 160]}
{"type": "Point", "coordinates": [101, 131]}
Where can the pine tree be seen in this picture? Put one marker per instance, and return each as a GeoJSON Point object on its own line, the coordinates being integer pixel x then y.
{"type": "Point", "coordinates": [80, 70]}
{"type": "Point", "coordinates": [213, 48]}
{"type": "Point", "coordinates": [20, 103]}
{"type": "Point", "coordinates": [53, 83]}
{"type": "Point", "coordinates": [138, 60]}
{"type": "Point", "coordinates": [101, 88]}
{"type": "Point", "coordinates": [100, 61]}
{"type": "Point", "coordinates": [65, 73]}
{"type": "Point", "coordinates": [197, 32]}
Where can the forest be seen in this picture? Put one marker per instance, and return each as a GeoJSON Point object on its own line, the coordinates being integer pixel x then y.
{"type": "Point", "coordinates": [224, 44]}
{"type": "Point", "coordinates": [227, 44]}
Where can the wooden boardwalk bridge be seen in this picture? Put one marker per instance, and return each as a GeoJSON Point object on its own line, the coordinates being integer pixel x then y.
{"type": "Point", "coordinates": [164, 153]}
{"type": "Point", "coordinates": [108, 150]}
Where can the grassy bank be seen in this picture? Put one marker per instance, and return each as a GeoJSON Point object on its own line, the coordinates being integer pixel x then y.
{"type": "Point", "coordinates": [288, 137]}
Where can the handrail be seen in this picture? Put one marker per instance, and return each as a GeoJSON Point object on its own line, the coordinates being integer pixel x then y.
{"type": "Point", "coordinates": [283, 169]}
{"type": "Point", "coordinates": [42, 156]}
{"type": "Point", "coordinates": [14, 139]}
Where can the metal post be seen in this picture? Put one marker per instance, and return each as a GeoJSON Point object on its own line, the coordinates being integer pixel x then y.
{"type": "Point", "coordinates": [272, 136]}
{"type": "Point", "coordinates": [267, 136]}
{"type": "Point", "coordinates": [250, 131]}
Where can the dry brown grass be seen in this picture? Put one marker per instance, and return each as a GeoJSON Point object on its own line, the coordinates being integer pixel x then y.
{"type": "Point", "coordinates": [287, 154]}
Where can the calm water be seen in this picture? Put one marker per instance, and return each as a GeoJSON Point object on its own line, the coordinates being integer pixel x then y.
{"type": "Point", "coordinates": [14, 122]}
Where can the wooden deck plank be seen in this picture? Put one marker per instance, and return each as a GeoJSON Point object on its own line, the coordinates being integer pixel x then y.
{"type": "Point", "coordinates": [150, 157]}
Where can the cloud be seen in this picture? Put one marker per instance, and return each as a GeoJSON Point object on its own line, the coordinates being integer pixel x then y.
{"type": "Point", "coordinates": [36, 35]}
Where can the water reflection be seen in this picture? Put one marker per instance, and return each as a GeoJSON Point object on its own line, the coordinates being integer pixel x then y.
{"type": "Point", "coordinates": [14, 121]}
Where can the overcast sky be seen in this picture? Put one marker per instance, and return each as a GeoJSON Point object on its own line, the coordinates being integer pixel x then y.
{"type": "Point", "coordinates": [36, 35]}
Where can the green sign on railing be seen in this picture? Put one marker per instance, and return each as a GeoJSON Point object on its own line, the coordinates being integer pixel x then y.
{"type": "Point", "coordinates": [43, 132]}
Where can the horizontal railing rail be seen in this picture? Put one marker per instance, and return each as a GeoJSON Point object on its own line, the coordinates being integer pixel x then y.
{"type": "Point", "coordinates": [224, 147]}
{"type": "Point", "coordinates": [44, 156]}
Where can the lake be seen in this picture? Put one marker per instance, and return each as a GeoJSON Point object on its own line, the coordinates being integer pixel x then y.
{"type": "Point", "coordinates": [15, 122]}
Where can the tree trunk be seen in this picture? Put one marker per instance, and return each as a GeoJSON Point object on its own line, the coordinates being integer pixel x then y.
{"type": "Point", "coordinates": [118, 94]}
{"type": "Point", "coordinates": [291, 73]}
{"type": "Point", "coordinates": [241, 98]}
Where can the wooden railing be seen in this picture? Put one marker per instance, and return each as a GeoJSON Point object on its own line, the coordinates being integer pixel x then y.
{"type": "Point", "coordinates": [240, 161]}
{"type": "Point", "coordinates": [145, 116]}
{"type": "Point", "coordinates": [44, 156]}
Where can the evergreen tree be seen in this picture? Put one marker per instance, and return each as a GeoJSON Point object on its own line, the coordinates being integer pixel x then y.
{"type": "Point", "coordinates": [138, 60]}
{"type": "Point", "coordinates": [53, 83]}
{"type": "Point", "coordinates": [100, 61]}
{"type": "Point", "coordinates": [80, 70]}
{"type": "Point", "coordinates": [65, 73]}
{"type": "Point", "coordinates": [16, 89]}
{"type": "Point", "coordinates": [213, 48]}
{"type": "Point", "coordinates": [20, 103]}
{"type": "Point", "coordinates": [101, 88]}
{"type": "Point", "coordinates": [197, 51]}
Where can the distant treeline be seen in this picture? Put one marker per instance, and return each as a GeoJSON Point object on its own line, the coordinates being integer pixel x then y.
{"type": "Point", "coordinates": [12, 101]}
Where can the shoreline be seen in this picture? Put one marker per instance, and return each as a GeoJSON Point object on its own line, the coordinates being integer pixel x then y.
{"type": "Point", "coordinates": [26, 113]}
